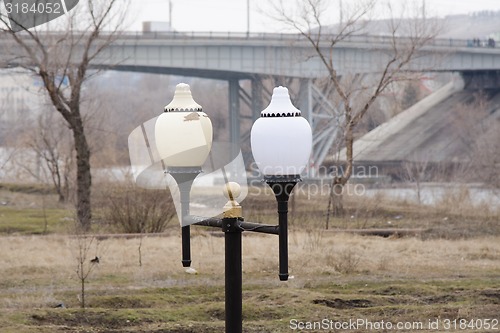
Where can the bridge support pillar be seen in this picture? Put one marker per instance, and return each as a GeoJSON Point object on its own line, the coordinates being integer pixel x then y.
{"type": "Point", "coordinates": [257, 106]}
{"type": "Point", "coordinates": [234, 111]}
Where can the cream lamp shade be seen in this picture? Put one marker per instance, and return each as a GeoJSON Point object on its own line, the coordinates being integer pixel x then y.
{"type": "Point", "coordinates": [281, 138]}
{"type": "Point", "coordinates": [183, 133]}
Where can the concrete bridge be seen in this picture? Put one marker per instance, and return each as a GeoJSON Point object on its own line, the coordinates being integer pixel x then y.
{"type": "Point", "coordinates": [238, 56]}
{"type": "Point", "coordinates": [242, 56]}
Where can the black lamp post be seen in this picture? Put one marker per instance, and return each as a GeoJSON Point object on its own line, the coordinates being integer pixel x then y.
{"type": "Point", "coordinates": [233, 225]}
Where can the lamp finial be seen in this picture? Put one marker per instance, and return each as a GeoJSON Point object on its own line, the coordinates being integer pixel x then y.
{"type": "Point", "coordinates": [232, 208]}
{"type": "Point", "coordinates": [183, 100]}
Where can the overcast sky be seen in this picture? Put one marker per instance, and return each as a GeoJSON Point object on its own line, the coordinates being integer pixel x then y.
{"type": "Point", "coordinates": [231, 15]}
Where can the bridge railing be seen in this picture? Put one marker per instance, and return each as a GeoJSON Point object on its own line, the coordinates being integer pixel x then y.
{"type": "Point", "coordinates": [261, 36]}
{"type": "Point", "coordinates": [211, 35]}
{"type": "Point", "coordinates": [382, 39]}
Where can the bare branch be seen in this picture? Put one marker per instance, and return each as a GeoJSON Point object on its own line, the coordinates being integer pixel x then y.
{"type": "Point", "coordinates": [407, 37]}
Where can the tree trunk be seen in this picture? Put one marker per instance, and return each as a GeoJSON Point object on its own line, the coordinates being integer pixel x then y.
{"type": "Point", "coordinates": [82, 295]}
{"type": "Point", "coordinates": [337, 198]}
{"type": "Point", "coordinates": [339, 182]}
{"type": "Point", "coordinates": [83, 176]}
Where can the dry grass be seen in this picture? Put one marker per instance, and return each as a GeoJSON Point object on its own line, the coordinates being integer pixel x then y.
{"type": "Point", "coordinates": [451, 271]}
{"type": "Point", "coordinates": [348, 274]}
{"type": "Point", "coordinates": [45, 263]}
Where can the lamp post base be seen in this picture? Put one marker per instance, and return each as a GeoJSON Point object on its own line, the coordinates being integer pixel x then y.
{"type": "Point", "coordinates": [186, 246]}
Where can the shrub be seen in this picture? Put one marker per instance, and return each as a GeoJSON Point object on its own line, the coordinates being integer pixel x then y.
{"type": "Point", "coordinates": [131, 209]}
{"type": "Point", "coordinates": [346, 262]}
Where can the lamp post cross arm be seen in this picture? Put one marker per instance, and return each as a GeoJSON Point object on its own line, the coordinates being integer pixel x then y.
{"type": "Point", "coordinates": [242, 225]}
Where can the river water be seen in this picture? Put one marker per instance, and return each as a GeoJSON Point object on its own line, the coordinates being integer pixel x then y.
{"type": "Point", "coordinates": [435, 193]}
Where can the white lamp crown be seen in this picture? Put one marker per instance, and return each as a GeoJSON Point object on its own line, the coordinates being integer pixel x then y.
{"type": "Point", "coordinates": [280, 105]}
{"type": "Point", "coordinates": [183, 100]}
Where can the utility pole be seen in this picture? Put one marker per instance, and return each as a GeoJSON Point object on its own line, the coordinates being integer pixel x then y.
{"type": "Point", "coordinates": [170, 14]}
{"type": "Point", "coordinates": [248, 18]}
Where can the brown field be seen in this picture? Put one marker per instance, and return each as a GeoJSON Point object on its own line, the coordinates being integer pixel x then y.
{"type": "Point", "coordinates": [449, 270]}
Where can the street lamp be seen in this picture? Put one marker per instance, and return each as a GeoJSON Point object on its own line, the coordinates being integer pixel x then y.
{"type": "Point", "coordinates": [281, 145]}
{"type": "Point", "coordinates": [183, 135]}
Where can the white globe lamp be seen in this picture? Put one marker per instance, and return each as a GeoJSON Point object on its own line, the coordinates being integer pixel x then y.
{"type": "Point", "coordinates": [183, 133]}
{"type": "Point", "coordinates": [281, 138]}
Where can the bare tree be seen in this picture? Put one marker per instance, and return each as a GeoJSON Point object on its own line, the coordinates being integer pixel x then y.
{"type": "Point", "coordinates": [62, 61]}
{"type": "Point", "coordinates": [416, 172]}
{"type": "Point", "coordinates": [477, 125]}
{"type": "Point", "coordinates": [53, 145]}
{"type": "Point", "coordinates": [86, 262]}
{"type": "Point", "coordinates": [487, 157]}
{"type": "Point", "coordinates": [356, 94]}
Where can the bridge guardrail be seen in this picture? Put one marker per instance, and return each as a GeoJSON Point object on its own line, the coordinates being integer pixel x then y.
{"type": "Point", "coordinates": [382, 39]}
{"type": "Point", "coordinates": [292, 37]}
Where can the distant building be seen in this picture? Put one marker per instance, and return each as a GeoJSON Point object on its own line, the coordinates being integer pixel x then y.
{"type": "Point", "coordinates": [156, 26]}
